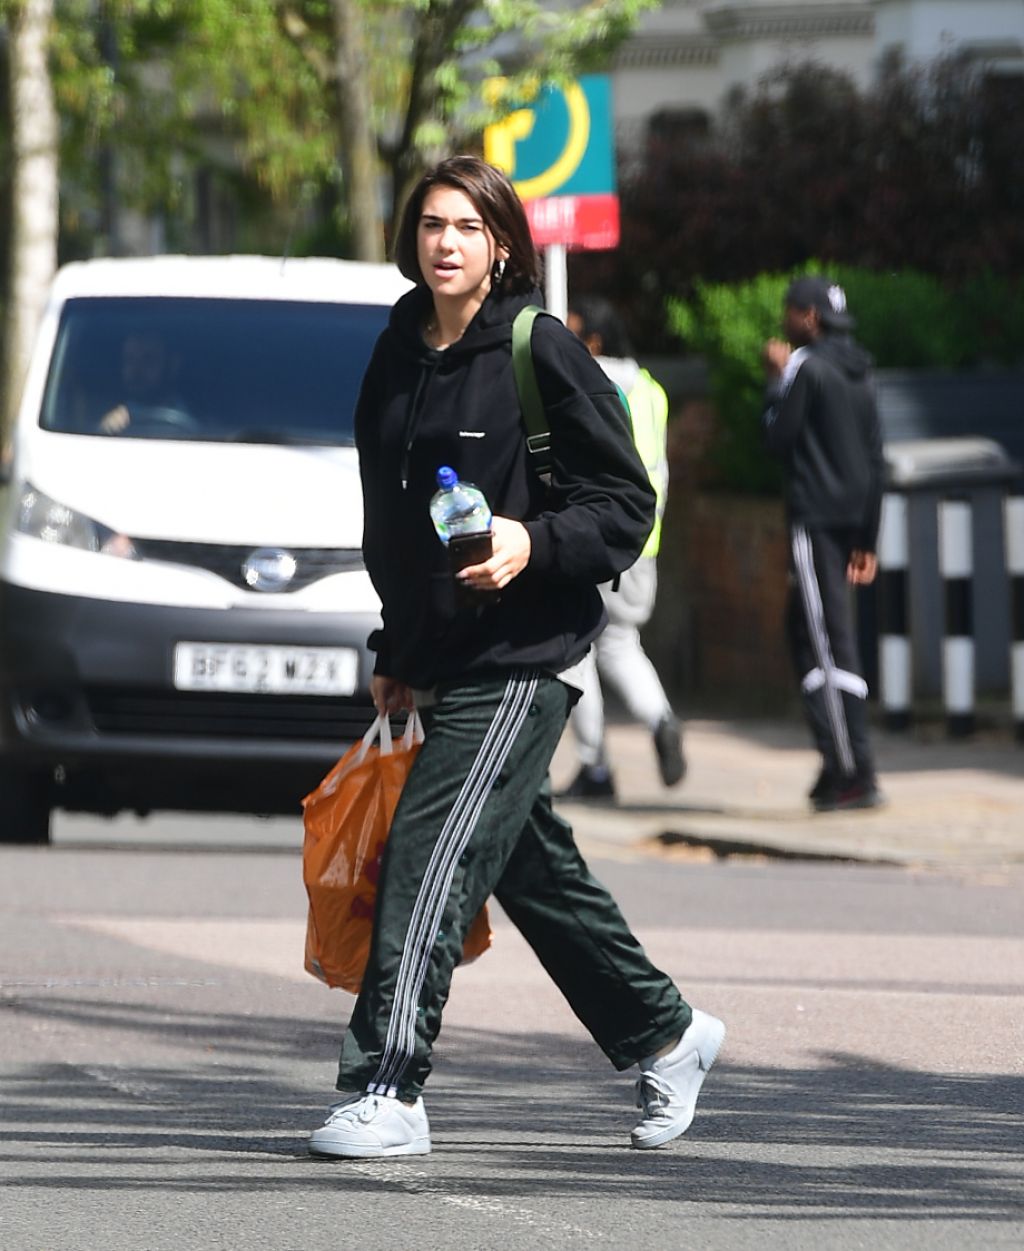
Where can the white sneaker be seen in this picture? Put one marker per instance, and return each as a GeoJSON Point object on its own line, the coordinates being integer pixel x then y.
{"type": "Point", "coordinates": [668, 1087]}
{"type": "Point", "coordinates": [371, 1125]}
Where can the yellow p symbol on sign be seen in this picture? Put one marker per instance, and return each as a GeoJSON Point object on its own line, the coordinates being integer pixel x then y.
{"type": "Point", "coordinates": [560, 160]}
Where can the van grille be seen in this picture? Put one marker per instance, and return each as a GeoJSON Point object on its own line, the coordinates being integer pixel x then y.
{"type": "Point", "coordinates": [201, 714]}
{"type": "Point", "coordinates": [226, 561]}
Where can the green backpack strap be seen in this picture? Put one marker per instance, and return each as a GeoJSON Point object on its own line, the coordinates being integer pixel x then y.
{"type": "Point", "coordinates": [538, 434]}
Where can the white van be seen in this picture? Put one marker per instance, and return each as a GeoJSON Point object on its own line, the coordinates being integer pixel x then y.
{"type": "Point", "coordinates": [183, 604]}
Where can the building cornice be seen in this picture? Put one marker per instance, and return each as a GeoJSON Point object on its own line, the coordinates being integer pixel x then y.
{"type": "Point", "coordinates": [732, 23]}
{"type": "Point", "coordinates": [660, 51]}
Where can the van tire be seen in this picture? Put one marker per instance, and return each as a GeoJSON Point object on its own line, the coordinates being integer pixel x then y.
{"type": "Point", "coordinates": [24, 807]}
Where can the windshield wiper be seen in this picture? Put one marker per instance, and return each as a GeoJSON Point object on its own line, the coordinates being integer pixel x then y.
{"type": "Point", "coordinates": [286, 439]}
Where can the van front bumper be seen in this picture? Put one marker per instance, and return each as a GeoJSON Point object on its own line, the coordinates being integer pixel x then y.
{"type": "Point", "coordinates": [87, 695]}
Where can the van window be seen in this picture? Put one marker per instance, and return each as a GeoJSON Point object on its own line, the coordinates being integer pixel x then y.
{"type": "Point", "coordinates": [247, 371]}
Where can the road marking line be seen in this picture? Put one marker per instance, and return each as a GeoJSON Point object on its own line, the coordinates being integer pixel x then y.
{"type": "Point", "coordinates": [418, 1182]}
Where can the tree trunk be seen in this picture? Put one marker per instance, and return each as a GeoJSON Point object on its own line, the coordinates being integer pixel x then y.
{"type": "Point", "coordinates": [355, 133]}
{"type": "Point", "coordinates": [437, 30]}
{"type": "Point", "coordinates": [34, 171]}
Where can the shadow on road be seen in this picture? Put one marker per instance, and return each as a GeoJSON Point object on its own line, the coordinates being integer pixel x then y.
{"type": "Point", "coordinates": [530, 1116]}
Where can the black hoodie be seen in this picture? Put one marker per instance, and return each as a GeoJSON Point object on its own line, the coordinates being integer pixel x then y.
{"type": "Point", "coordinates": [822, 420]}
{"type": "Point", "coordinates": [419, 409]}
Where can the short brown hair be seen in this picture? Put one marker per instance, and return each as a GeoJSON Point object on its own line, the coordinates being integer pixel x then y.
{"type": "Point", "coordinates": [497, 203]}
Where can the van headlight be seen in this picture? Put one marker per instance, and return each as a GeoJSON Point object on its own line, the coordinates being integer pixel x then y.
{"type": "Point", "coordinates": [52, 522]}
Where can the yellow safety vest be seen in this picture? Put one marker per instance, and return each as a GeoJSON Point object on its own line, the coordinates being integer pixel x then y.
{"type": "Point", "coordinates": [648, 410]}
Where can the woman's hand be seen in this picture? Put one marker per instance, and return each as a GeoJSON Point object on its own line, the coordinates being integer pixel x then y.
{"type": "Point", "coordinates": [510, 554]}
{"type": "Point", "coordinates": [389, 695]}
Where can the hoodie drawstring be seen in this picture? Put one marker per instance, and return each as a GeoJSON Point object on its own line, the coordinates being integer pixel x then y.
{"type": "Point", "coordinates": [416, 406]}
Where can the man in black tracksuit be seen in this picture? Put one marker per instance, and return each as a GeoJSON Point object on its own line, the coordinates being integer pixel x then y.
{"type": "Point", "coordinates": [822, 421]}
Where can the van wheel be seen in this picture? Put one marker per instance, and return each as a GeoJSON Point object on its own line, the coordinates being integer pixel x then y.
{"type": "Point", "coordinates": [24, 806]}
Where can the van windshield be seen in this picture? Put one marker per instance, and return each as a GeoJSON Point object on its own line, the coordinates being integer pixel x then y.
{"type": "Point", "coordinates": [246, 371]}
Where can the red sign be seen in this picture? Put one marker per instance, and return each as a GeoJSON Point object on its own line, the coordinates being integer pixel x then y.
{"type": "Point", "coordinates": [587, 222]}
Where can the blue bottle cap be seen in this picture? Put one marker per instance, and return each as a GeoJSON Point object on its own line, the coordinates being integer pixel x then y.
{"type": "Point", "coordinates": [446, 477]}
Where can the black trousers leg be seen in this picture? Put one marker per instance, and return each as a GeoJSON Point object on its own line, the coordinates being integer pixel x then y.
{"type": "Point", "coordinates": [823, 643]}
{"type": "Point", "coordinates": [570, 920]}
{"type": "Point", "coordinates": [470, 823]}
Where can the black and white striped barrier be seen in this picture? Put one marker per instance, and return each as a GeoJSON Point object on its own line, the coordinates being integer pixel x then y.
{"type": "Point", "coordinates": [1014, 535]}
{"type": "Point", "coordinates": [956, 567]}
{"type": "Point", "coordinates": [950, 586]}
{"type": "Point", "coordinates": [894, 654]}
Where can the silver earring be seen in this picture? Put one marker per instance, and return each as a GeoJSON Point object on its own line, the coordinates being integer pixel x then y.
{"type": "Point", "coordinates": [498, 272]}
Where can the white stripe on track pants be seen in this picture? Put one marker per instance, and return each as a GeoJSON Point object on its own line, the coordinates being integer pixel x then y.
{"type": "Point", "coordinates": [475, 819]}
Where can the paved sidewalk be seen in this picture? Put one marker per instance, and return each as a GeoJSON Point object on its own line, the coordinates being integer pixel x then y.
{"type": "Point", "coordinates": [952, 804]}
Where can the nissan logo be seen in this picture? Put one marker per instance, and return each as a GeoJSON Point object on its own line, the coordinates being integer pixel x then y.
{"type": "Point", "coordinates": [269, 569]}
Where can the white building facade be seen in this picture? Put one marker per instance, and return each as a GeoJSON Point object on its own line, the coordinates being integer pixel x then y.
{"type": "Point", "coordinates": [689, 54]}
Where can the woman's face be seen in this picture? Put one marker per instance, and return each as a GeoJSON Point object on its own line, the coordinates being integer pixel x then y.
{"type": "Point", "coordinates": [455, 249]}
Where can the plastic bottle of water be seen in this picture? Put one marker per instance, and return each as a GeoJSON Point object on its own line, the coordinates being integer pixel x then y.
{"type": "Point", "coordinates": [459, 509]}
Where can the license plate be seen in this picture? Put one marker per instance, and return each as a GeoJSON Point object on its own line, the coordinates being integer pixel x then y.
{"type": "Point", "coordinates": [271, 670]}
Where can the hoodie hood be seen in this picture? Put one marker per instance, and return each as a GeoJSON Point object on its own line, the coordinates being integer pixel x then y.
{"type": "Point", "coordinates": [842, 351]}
{"type": "Point", "coordinates": [491, 324]}
{"type": "Point", "coordinates": [823, 424]}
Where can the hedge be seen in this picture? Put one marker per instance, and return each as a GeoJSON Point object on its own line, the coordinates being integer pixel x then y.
{"type": "Point", "coordinates": [906, 319]}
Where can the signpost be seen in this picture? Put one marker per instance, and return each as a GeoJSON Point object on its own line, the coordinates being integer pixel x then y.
{"type": "Point", "coordinates": [557, 149]}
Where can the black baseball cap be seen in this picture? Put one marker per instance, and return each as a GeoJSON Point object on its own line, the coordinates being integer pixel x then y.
{"type": "Point", "coordinates": [827, 297]}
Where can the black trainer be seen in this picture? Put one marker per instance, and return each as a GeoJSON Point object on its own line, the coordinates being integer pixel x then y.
{"type": "Point", "coordinates": [668, 744]}
{"type": "Point", "coordinates": [592, 782]}
{"type": "Point", "coordinates": [849, 794]}
{"type": "Point", "coordinates": [826, 782]}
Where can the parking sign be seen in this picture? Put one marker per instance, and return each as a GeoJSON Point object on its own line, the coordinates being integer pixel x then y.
{"type": "Point", "coordinates": [557, 149]}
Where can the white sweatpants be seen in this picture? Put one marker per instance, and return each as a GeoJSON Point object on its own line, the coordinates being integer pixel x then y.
{"type": "Point", "coordinates": [618, 657]}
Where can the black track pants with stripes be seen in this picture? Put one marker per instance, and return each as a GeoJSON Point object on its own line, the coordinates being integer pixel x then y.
{"type": "Point", "coordinates": [475, 819]}
{"type": "Point", "coordinates": [823, 643]}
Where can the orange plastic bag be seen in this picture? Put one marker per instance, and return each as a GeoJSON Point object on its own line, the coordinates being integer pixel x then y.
{"type": "Point", "coordinates": [346, 821]}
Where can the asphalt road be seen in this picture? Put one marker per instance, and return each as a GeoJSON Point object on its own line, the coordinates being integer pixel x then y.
{"type": "Point", "coordinates": [163, 1056]}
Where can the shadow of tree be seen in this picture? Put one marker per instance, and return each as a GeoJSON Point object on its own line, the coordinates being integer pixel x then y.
{"type": "Point", "coordinates": [519, 1115]}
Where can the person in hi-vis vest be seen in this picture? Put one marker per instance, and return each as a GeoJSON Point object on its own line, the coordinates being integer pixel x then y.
{"type": "Point", "coordinates": [618, 656]}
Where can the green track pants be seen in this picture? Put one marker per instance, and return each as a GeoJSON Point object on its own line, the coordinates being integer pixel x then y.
{"type": "Point", "coordinates": [475, 819]}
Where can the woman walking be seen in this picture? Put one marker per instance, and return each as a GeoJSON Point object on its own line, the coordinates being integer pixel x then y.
{"type": "Point", "coordinates": [492, 677]}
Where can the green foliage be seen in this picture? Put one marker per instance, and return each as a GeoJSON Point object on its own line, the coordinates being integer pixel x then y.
{"type": "Point", "coordinates": [922, 170]}
{"type": "Point", "coordinates": [159, 88]}
{"type": "Point", "coordinates": [728, 324]}
{"type": "Point", "coordinates": [991, 319]}
{"type": "Point", "coordinates": [268, 68]}
{"type": "Point", "coordinates": [905, 319]}
{"type": "Point", "coordinates": [111, 94]}
{"type": "Point", "coordinates": [456, 46]}
{"type": "Point", "coordinates": [265, 68]}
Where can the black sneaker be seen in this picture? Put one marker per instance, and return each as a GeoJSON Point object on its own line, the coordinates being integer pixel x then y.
{"type": "Point", "coordinates": [668, 743]}
{"type": "Point", "coordinates": [826, 782]}
{"type": "Point", "coordinates": [849, 794]}
{"type": "Point", "coordinates": [592, 782]}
